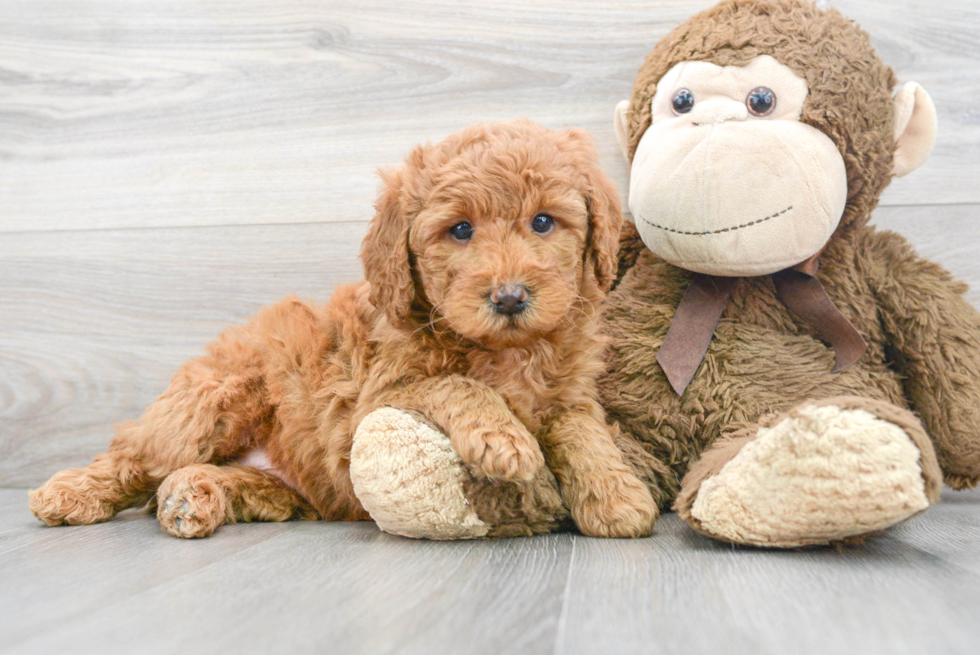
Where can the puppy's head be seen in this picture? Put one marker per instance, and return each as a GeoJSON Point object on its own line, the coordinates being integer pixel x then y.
{"type": "Point", "coordinates": [499, 233]}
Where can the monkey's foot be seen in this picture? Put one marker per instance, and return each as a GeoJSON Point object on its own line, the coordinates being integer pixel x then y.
{"type": "Point", "coordinates": [413, 483]}
{"type": "Point", "coordinates": [825, 472]}
{"type": "Point", "coordinates": [410, 480]}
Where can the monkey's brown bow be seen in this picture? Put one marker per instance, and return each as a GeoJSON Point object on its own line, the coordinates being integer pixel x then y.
{"type": "Point", "coordinates": [704, 302]}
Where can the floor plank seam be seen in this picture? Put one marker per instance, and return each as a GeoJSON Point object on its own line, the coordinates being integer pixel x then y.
{"type": "Point", "coordinates": [563, 615]}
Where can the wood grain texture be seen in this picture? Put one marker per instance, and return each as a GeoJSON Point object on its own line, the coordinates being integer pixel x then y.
{"type": "Point", "coordinates": [902, 592]}
{"type": "Point", "coordinates": [301, 587]}
{"type": "Point", "coordinates": [172, 113]}
{"type": "Point", "coordinates": [950, 532]}
{"type": "Point", "coordinates": [55, 578]}
{"type": "Point", "coordinates": [278, 588]}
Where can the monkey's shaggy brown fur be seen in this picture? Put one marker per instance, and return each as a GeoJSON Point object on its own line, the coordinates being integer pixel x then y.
{"type": "Point", "coordinates": [420, 335]}
{"type": "Point", "coordinates": [923, 338]}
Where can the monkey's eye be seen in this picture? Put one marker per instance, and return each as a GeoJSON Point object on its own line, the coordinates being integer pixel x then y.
{"type": "Point", "coordinates": [761, 101]}
{"type": "Point", "coordinates": [542, 223]}
{"type": "Point", "coordinates": [683, 101]}
{"type": "Point", "coordinates": [462, 231]}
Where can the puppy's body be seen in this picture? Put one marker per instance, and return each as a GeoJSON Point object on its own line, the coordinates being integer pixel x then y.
{"type": "Point", "coordinates": [347, 352]}
{"type": "Point", "coordinates": [477, 314]}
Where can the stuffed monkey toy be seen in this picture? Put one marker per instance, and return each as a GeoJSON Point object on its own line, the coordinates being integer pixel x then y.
{"type": "Point", "coordinates": [781, 372]}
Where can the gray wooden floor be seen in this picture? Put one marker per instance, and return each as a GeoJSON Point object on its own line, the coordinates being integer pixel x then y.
{"type": "Point", "coordinates": [168, 167]}
{"type": "Point", "coordinates": [125, 586]}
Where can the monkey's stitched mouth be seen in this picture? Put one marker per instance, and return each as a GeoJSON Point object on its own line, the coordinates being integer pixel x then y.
{"type": "Point", "coordinates": [725, 229]}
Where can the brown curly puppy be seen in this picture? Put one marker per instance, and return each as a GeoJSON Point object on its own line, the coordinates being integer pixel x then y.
{"type": "Point", "coordinates": [484, 263]}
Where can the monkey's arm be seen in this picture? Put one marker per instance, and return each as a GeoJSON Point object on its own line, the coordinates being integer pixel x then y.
{"type": "Point", "coordinates": [934, 334]}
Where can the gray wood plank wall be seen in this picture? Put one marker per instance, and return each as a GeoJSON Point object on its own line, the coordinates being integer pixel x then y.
{"type": "Point", "coordinates": [167, 168]}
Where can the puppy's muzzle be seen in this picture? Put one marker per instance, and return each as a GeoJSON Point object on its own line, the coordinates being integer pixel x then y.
{"type": "Point", "coordinates": [509, 299]}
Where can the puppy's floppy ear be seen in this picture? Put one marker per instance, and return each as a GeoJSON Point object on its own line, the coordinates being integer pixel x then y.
{"type": "Point", "coordinates": [384, 252]}
{"type": "Point", "coordinates": [605, 214]}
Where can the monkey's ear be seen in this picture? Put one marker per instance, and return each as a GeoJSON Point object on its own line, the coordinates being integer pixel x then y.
{"type": "Point", "coordinates": [620, 122]}
{"type": "Point", "coordinates": [385, 255]}
{"type": "Point", "coordinates": [915, 128]}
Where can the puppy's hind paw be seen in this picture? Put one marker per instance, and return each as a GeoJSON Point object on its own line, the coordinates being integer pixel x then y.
{"type": "Point", "coordinates": [189, 508]}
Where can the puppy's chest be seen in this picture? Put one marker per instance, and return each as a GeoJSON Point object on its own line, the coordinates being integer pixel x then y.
{"type": "Point", "coordinates": [524, 382]}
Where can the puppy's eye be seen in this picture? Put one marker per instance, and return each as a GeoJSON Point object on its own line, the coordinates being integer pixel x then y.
{"type": "Point", "coordinates": [542, 223]}
{"type": "Point", "coordinates": [683, 101]}
{"type": "Point", "coordinates": [462, 231]}
{"type": "Point", "coordinates": [761, 101]}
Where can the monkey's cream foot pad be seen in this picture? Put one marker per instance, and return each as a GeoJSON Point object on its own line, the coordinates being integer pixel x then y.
{"type": "Point", "coordinates": [410, 480]}
{"type": "Point", "coordinates": [820, 475]}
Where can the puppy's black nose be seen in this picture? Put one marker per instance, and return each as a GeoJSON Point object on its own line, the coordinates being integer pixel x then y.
{"type": "Point", "coordinates": [509, 299]}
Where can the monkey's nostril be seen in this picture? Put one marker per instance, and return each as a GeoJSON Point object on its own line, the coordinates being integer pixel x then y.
{"type": "Point", "coordinates": [509, 299]}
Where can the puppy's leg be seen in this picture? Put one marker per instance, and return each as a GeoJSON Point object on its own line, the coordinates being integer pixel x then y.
{"type": "Point", "coordinates": [195, 500]}
{"type": "Point", "coordinates": [92, 494]}
{"type": "Point", "coordinates": [482, 428]}
{"type": "Point", "coordinates": [214, 406]}
{"type": "Point", "coordinates": [601, 490]}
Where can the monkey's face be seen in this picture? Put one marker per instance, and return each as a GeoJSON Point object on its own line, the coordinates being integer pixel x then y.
{"type": "Point", "coordinates": [727, 180]}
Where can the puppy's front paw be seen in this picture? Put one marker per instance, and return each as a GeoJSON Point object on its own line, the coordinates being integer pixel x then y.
{"type": "Point", "coordinates": [508, 453]}
{"type": "Point", "coordinates": [614, 504]}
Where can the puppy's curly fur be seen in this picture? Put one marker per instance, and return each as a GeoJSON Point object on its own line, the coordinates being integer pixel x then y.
{"type": "Point", "coordinates": [422, 333]}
